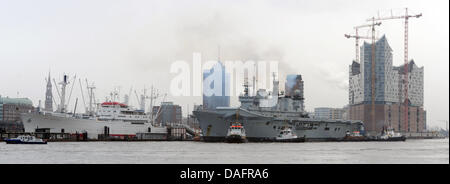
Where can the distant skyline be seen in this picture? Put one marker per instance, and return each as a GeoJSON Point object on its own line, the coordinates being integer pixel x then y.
{"type": "Point", "coordinates": [124, 44]}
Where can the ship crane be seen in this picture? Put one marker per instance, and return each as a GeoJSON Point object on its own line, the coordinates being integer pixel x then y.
{"type": "Point", "coordinates": [154, 94]}
{"type": "Point", "coordinates": [405, 77]}
{"type": "Point", "coordinates": [141, 98]}
{"type": "Point", "coordinates": [357, 37]}
{"type": "Point", "coordinates": [158, 113]}
{"type": "Point", "coordinates": [90, 89]}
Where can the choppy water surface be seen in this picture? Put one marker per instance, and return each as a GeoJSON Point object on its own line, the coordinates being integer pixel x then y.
{"type": "Point", "coordinates": [411, 151]}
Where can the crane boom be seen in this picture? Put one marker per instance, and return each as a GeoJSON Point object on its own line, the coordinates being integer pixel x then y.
{"type": "Point", "coordinates": [357, 37]}
{"type": "Point", "coordinates": [396, 17]}
{"type": "Point", "coordinates": [367, 25]}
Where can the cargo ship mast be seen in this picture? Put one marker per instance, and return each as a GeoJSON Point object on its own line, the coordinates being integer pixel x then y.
{"type": "Point", "coordinates": [62, 105]}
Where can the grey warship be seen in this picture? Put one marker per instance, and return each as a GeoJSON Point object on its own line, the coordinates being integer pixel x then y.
{"type": "Point", "coordinates": [265, 115]}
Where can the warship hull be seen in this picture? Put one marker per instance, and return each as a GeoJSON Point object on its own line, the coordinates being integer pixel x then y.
{"type": "Point", "coordinates": [263, 127]}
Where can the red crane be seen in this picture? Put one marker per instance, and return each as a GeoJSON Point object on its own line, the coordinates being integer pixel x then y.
{"type": "Point", "coordinates": [405, 77]}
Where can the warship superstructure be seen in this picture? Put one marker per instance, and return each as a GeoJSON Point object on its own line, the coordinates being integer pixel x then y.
{"type": "Point", "coordinates": [265, 115]}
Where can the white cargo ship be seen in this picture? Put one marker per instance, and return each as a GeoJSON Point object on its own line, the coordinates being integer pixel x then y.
{"type": "Point", "coordinates": [118, 118]}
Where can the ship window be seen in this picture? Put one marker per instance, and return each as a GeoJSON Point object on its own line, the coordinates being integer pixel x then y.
{"type": "Point", "coordinates": [274, 127]}
{"type": "Point", "coordinates": [327, 128]}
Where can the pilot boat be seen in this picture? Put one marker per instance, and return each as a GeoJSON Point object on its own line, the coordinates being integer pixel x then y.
{"type": "Point", "coordinates": [25, 139]}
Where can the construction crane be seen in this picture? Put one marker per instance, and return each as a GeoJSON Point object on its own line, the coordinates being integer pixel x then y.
{"type": "Point", "coordinates": [372, 112]}
{"type": "Point", "coordinates": [405, 52]}
{"type": "Point", "coordinates": [357, 37]}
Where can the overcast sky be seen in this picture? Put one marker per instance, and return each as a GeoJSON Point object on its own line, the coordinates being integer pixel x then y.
{"type": "Point", "coordinates": [123, 44]}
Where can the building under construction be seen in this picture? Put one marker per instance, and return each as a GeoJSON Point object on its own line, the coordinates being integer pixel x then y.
{"type": "Point", "coordinates": [388, 91]}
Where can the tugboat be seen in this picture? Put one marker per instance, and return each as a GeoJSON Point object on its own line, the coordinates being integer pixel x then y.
{"type": "Point", "coordinates": [354, 136]}
{"type": "Point", "coordinates": [389, 135]}
{"type": "Point", "coordinates": [286, 135]}
{"type": "Point", "coordinates": [236, 132]}
{"type": "Point", "coordinates": [25, 139]}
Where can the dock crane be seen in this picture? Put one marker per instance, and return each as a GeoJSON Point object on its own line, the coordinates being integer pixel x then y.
{"type": "Point", "coordinates": [357, 37]}
{"type": "Point", "coordinates": [405, 77]}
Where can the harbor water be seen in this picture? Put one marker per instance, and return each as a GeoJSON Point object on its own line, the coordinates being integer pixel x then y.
{"type": "Point", "coordinates": [188, 152]}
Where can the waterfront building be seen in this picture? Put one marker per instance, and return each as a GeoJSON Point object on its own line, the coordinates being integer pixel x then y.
{"type": "Point", "coordinates": [10, 108]}
{"type": "Point", "coordinates": [389, 97]}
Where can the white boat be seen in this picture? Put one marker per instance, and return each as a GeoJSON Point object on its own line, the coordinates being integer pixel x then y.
{"type": "Point", "coordinates": [25, 139]}
{"type": "Point", "coordinates": [286, 135]}
{"type": "Point", "coordinates": [389, 135]}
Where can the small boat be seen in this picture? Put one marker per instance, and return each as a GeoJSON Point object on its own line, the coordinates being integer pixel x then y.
{"type": "Point", "coordinates": [25, 139]}
{"type": "Point", "coordinates": [390, 135]}
{"type": "Point", "coordinates": [354, 136]}
{"type": "Point", "coordinates": [236, 133]}
{"type": "Point", "coordinates": [286, 135]}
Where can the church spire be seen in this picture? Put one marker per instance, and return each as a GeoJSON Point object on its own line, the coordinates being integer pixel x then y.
{"type": "Point", "coordinates": [48, 95]}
